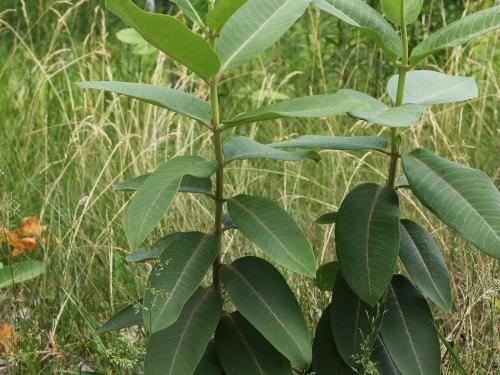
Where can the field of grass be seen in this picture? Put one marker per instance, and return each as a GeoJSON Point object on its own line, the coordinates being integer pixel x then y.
{"type": "Point", "coordinates": [62, 149]}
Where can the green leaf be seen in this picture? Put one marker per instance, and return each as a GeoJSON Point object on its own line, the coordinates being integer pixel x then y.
{"type": "Point", "coordinates": [127, 317]}
{"type": "Point", "coordinates": [130, 36]}
{"type": "Point", "coordinates": [305, 107]}
{"type": "Point", "coordinates": [427, 88]}
{"type": "Point", "coordinates": [274, 231]}
{"type": "Point", "coordinates": [244, 351]}
{"type": "Point", "coordinates": [408, 330]}
{"type": "Point", "coordinates": [325, 142]}
{"type": "Point", "coordinates": [381, 114]}
{"type": "Point", "coordinates": [326, 358]}
{"type": "Point", "coordinates": [329, 218]}
{"type": "Point", "coordinates": [350, 321]}
{"type": "Point", "coordinates": [465, 199]}
{"type": "Point", "coordinates": [458, 32]}
{"type": "Point", "coordinates": [142, 254]}
{"type": "Point", "coordinates": [189, 184]}
{"type": "Point", "coordinates": [153, 200]}
{"type": "Point", "coordinates": [170, 36]}
{"type": "Point", "coordinates": [182, 267]}
{"type": "Point", "coordinates": [221, 12]}
{"type": "Point", "coordinates": [367, 240]}
{"type": "Point", "coordinates": [263, 297]}
{"type": "Point", "coordinates": [174, 100]}
{"type": "Point", "coordinates": [20, 272]}
{"type": "Point", "coordinates": [209, 364]}
{"type": "Point", "coordinates": [425, 263]}
{"type": "Point", "coordinates": [392, 10]}
{"type": "Point", "coordinates": [325, 277]}
{"type": "Point", "coordinates": [195, 10]}
{"type": "Point", "coordinates": [254, 28]}
{"type": "Point", "coordinates": [179, 349]}
{"type": "Point", "coordinates": [363, 17]}
{"type": "Point", "coordinates": [243, 148]}
{"type": "Point", "coordinates": [383, 360]}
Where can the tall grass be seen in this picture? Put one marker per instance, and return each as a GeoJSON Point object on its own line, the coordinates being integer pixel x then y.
{"type": "Point", "coordinates": [61, 150]}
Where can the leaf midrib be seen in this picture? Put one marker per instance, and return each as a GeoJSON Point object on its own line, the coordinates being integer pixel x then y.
{"type": "Point", "coordinates": [457, 192]}
{"type": "Point", "coordinates": [268, 230]}
{"type": "Point", "coordinates": [417, 251]}
{"type": "Point", "coordinates": [403, 320]}
{"type": "Point", "coordinates": [178, 281]}
{"type": "Point", "coordinates": [252, 36]}
{"type": "Point", "coordinates": [264, 302]}
{"type": "Point", "coordinates": [186, 328]}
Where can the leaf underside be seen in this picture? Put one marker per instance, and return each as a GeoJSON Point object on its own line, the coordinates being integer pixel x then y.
{"type": "Point", "coordinates": [325, 142]}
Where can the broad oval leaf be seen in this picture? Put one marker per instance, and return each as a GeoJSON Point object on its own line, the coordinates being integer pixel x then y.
{"type": "Point", "coordinates": [20, 272]}
{"type": "Point", "coordinates": [170, 36]}
{"type": "Point", "coordinates": [242, 350]}
{"type": "Point", "coordinates": [189, 184]}
{"type": "Point", "coordinates": [351, 322]}
{"type": "Point", "coordinates": [263, 297]}
{"type": "Point", "coordinates": [325, 142]}
{"type": "Point", "coordinates": [243, 148]}
{"type": "Point", "coordinates": [458, 32]}
{"type": "Point", "coordinates": [383, 360]}
{"type": "Point", "coordinates": [465, 199]}
{"type": "Point", "coordinates": [195, 10]}
{"type": "Point", "coordinates": [221, 12]}
{"type": "Point", "coordinates": [127, 317]}
{"type": "Point", "coordinates": [209, 364]}
{"type": "Point", "coordinates": [179, 272]}
{"type": "Point", "coordinates": [408, 330]}
{"type": "Point", "coordinates": [174, 100]}
{"type": "Point", "coordinates": [381, 114]}
{"type": "Point", "coordinates": [326, 358]}
{"type": "Point", "coordinates": [392, 10]}
{"type": "Point", "coordinates": [425, 263]}
{"type": "Point", "coordinates": [367, 240]}
{"type": "Point", "coordinates": [254, 28]}
{"type": "Point", "coordinates": [426, 87]}
{"type": "Point", "coordinates": [274, 231]}
{"type": "Point", "coordinates": [306, 107]}
{"type": "Point", "coordinates": [155, 196]}
{"type": "Point", "coordinates": [362, 16]}
{"type": "Point", "coordinates": [326, 275]}
{"type": "Point", "coordinates": [179, 349]}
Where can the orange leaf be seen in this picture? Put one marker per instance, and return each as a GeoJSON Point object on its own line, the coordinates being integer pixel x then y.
{"type": "Point", "coordinates": [7, 338]}
{"type": "Point", "coordinates": [31, 227]}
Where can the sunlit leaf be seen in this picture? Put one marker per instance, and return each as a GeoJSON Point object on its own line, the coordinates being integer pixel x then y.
{"type": "Point", "coordinates": [20, 272]}
{"type": "Point", "coordinates": [221, 12]}
{"type": "Point", "coordinates": [324, 142]}
{"type": "Point", "coordinates": [392, 10]}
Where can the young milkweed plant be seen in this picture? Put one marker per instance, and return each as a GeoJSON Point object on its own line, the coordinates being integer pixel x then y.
{"type": "Point", "coordinates": [377, 318]}
{"type": "Point", "coordinates": [187, 330]}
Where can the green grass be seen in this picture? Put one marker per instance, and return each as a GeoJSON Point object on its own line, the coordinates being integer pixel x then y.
{"type": "Point", "coordinates": [61, 149]}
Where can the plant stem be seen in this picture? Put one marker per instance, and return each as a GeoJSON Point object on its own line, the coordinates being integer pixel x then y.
{"type": "Point", "coordinates": [403, 69]}
{"type": "Point", "coordinates": [219, 178]}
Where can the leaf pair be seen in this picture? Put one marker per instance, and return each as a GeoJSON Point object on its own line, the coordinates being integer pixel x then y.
{"type": "Point", "coordinates": [247, 30]}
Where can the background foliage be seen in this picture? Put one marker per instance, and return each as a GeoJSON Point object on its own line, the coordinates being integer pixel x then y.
{"type": "Point", "coordinates": [59, 163]}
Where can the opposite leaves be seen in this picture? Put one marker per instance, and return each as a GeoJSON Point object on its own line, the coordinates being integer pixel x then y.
{"type": "Point", "coordinates": [170, 36]}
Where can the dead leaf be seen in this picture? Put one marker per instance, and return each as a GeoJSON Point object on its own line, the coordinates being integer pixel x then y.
{"type": "Point", "coordinates": [7, 339]}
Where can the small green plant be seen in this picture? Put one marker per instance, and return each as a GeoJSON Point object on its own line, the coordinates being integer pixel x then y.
{"type": "Point", "coordinates": [187, 330]}
{"type": "Point", "coordinates": [370, 233]}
